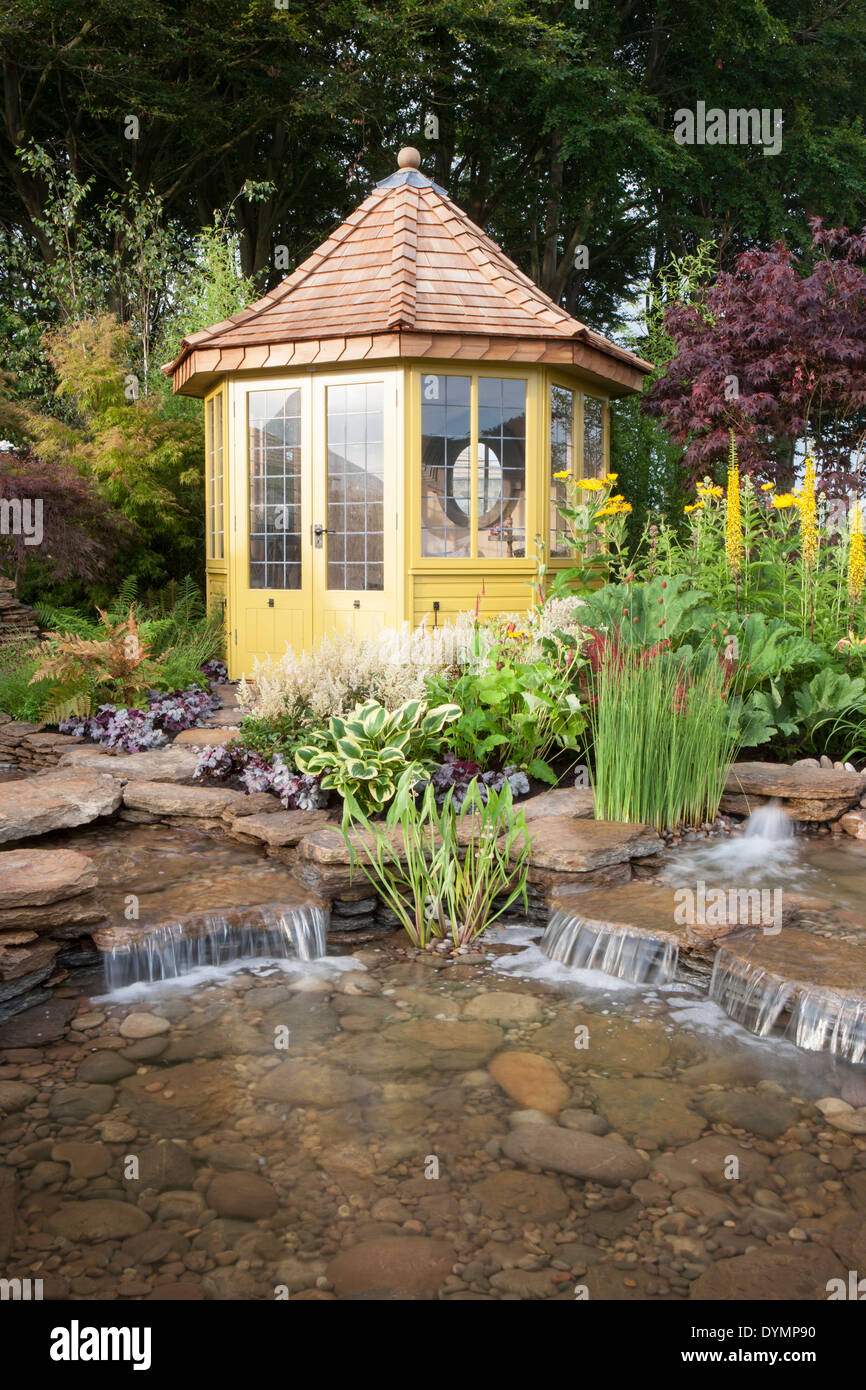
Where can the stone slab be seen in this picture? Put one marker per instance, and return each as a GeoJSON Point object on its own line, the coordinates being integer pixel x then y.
{"type": "Point", "coordinates": [170, 764]}
{"type": "Point", "coordinates": [56, 800]}
{"type": "Point", "coordinates": [173, 799]}
{"type": "Point", "coordinates": [29, 877]}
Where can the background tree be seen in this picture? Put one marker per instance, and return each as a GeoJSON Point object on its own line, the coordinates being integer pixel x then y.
{"type": "Point", "coordinates": [776, 352]}
{"type": "Point", "coordinates": [80, 530]}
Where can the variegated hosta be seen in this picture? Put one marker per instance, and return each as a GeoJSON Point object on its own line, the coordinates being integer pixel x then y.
{"type": "Point", "coordinates": [363, 756]}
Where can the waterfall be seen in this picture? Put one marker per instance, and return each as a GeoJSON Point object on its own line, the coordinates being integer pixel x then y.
{"type": "Point", "coordinates": [826, 1021]}
{"type": "Point", "coordinates": [769, 823]}
{"type": "Point", "coordinates": [174, 948]}
{"type": "Point", "coordinates": [748, 994]}
{"type": "Point", "coordinates": [623, 951]}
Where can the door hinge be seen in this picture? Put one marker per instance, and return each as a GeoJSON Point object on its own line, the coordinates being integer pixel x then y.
{"type": "Point", "coordinates": [236, 636]}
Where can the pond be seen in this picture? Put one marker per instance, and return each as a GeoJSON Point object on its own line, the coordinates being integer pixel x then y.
{"type": "Point", "coordinates": [392, 1124]}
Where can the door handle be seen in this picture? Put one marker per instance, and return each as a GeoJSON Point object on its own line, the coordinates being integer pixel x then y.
{"type": "Point", "coordinates": [319, 531]}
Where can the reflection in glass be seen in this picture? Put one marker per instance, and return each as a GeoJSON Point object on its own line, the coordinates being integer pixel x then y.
{"type": "Point", "coordinates": [561, 460]}
{"type": "Point", "coordinates": [593, 437]}
{"type": "Point", "coordinates": [355, 486]}
{"type": "Point", "coordinates": [445, 456]}
{"type": "Point", "coordinates": [214, 453]}
{"type": "Point", "coordinates": [501, 467]}
{"type": "Point", "coordinates": [275, 489]}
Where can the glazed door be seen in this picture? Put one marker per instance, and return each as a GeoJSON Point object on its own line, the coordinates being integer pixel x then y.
{"type": "Point", "coordinates": [271, 523]}
{"type": "Point", "coordinates": [314, 512]}
{"type": "Point", "coordinates": [354, 533]}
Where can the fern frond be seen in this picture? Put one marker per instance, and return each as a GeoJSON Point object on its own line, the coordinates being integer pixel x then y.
{"type": "Point", "coordinates": [64, 702]}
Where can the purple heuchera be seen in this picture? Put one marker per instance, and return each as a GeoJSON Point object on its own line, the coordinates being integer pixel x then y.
{"type": "Point", "coordinates": [458, 773]}
{"type": "Point", "coordinates": [135, 730]}
{"type": "Point", "coordinates": [297, 791]}
{"type": "Point", "coordinates": [216, 671]}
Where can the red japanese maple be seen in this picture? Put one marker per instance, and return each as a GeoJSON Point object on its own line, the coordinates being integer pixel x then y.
{"type": "Point", "coordinates": [774, 350]}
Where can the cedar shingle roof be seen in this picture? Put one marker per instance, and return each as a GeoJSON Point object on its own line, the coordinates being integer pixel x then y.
{"type": "Point", "coordinates": [407, 261]}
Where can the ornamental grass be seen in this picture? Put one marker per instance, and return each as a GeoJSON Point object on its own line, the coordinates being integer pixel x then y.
{"type": "Point", "coordinates": [664, 736]}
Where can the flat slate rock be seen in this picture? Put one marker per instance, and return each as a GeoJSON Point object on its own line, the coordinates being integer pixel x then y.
{"type": "Point", "coordinates": [806, 793]}
{"type": "Point", "coordinates": [569, 845]}
{"type": "Point", "coordinates": [57, 800]}
{"type": "Point", "coordinates": [159, 765]}
{"type": "Point", "coordinates": [282, 827]}
{"type": "Point", "coordinates": [207, 736]}
{"type": "Point", "coordinates": [559, 801]}
{"type": "Point", "coordinates": [172, 799]}
{"type": "Point", "coordinates": [31, 877]}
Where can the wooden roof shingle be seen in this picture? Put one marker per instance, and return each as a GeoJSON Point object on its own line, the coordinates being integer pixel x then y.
{"type": "Point", "coordinates": [408, 261]}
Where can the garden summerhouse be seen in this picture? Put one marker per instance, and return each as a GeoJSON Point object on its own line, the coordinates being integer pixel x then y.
{"type": "Point", "coordinates": [383, 427]}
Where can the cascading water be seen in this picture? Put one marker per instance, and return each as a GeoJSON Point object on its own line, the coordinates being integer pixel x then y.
{"type": "Point", "coordinates": [748, 994]}
{"type": "Point", "coordinates": [769, 822]}
{"type": "Point", "coordinates": [823, 1020]}
{"type": "Point", "coordinates": [172, 949]}
{"type": "Point", "coordinates": [628, 954]}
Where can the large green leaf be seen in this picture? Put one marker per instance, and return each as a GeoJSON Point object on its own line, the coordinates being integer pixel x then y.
{"type": "Point", "coordinates": [645, 613]}
{"type": "Point", "coordinates": [434, 720]}
{"type": "Point", "coordinates": [373, 721]}
{"type": "Point", "coordinates": [351, 747]}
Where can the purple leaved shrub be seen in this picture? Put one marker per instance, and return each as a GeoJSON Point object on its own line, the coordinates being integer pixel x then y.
{"type": "Point", "coordinates": [138, 730]}
{"type": "Point", "coordinates": [297, 791]}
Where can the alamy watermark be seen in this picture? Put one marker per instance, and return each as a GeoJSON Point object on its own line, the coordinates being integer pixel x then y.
{"type": "Point", "coordinates": [22, 516]}
{"type": "Point", "coordinates": [732, 907]}
{"type": "Point", "coordinates": [736, 126]}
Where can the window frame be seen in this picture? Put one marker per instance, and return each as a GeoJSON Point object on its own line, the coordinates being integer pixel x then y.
{"type": "Point", "coordinates": [216, 507]}
{"type": "Point", "coordinates": [451, 564]}
{"type": "Point", "coordinates": [580, 390]}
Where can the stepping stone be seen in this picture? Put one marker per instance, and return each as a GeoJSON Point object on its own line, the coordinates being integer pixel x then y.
{"type": "Point", "coordinates": [57, 800]}
{"type": "Point", "coordinates": [806, 793]}
{"type": "Point", "coordinates": [207, 736]}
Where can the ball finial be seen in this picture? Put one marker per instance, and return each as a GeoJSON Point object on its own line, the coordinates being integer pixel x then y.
{"type": "Point", "coordinates": [409, 158]}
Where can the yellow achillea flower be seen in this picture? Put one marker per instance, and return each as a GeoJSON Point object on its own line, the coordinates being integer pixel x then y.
{"type": "Point", "coordinates": [591, 484]}
{"type": "Point", "coordinates": [733, 519]}
{"type": "Point", "coordinates": [784, 500]}
{"type": "Point", "coordinates": [710, 491]}
{"type": "Point", "coordinates": [856, 554]}
{"type": "Point", "coordinates": [767, 487]}
{"type": "Point", "coordinates": [563, 473]}
{"type": "Point", "coordinates": [694, 507]}
{"type": "Point", "coordinates": [808, 515]}
{"type": "Point", "coordinates": [611, 477]}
